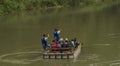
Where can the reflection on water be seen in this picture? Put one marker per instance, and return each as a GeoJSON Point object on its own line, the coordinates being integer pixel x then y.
{"type": "Point", "coordinates": [99, 31]}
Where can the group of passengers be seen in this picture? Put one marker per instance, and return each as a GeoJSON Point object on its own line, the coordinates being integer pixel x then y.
{"type": "Point", "coordinates": [58, 42]}
{"type": "Point", "coordinates": [64, 44]}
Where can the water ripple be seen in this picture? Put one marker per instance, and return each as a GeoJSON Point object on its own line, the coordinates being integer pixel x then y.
{"type": "Point", "coordinates": [21, 57]}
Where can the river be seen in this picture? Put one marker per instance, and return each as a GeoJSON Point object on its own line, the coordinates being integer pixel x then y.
{"type": "Point", "coordinates": [99, 31]}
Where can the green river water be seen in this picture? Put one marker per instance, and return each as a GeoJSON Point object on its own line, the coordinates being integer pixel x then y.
{"type": "Point", "coordinates": [98, 30]}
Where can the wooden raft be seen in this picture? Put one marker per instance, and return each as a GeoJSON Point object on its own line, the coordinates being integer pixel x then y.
{"type": "Point", "coordinates": [67, 54]}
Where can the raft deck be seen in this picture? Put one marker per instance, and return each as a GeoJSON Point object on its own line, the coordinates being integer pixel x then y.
{"type": "Point", "coordinates": [67, 54]}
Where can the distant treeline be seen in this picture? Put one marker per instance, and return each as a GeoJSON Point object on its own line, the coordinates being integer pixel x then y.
{"type": "Point", "coordinates": [7, 6]}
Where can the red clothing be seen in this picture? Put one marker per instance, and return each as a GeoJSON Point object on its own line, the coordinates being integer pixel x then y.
{"type": "Point", "coordinates": [54, 45]}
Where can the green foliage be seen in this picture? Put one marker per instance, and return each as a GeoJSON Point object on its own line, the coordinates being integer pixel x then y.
{"type": "Point", "coordinates": [15, 5]}
{"type": "Point", "coordinates": [1, 9]}
{"type": "Point", "coordinates": [88, 1]}
{"type": "Point", "coordinates": [67, 2]}
{"type": "Point", "coordinates": [73, 2]}
{"type": "Point", "coordinates": [47, 3]}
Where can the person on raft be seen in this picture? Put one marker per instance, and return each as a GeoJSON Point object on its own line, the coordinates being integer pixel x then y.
{"type": "Point", "coordinates": [44, 41]}
{"type": "Point", "coordinates": [56, 34]}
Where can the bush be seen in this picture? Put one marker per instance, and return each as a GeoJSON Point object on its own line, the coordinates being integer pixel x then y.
{"type": "Point", "coordinates": [13, 5]}
{"type": "Point", "coordinates": [1, 9]}
{"type": "Point", "coordinates": [47, 3]}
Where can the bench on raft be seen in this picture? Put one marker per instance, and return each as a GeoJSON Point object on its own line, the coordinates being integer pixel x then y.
{"type": "Point", "coordinates": [60, 49]}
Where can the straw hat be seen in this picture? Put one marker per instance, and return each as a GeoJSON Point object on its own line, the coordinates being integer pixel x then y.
{"type": "Point", "coordinates": [66, 39]}
{"type": "Point", "coordinates": [61, 39]}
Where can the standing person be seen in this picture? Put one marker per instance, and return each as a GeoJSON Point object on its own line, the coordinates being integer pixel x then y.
{"type": "Point", "coordinates": [44, 41]}
{"type": "Point", "coordinates": [57, 34]}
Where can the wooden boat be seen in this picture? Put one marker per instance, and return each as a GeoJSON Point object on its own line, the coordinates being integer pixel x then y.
{"type": "Point", "coordinates": [67, 54]}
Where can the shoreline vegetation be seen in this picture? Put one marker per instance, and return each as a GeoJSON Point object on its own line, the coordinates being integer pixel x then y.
{"type": "Point", "coordinates": [10, 6]}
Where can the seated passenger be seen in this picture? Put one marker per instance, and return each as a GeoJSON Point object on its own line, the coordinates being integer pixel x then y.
{"type": "Point", "coordinates": [72, 43]}
{"type": "Point", "coordinates": [75, 42]}
{"type": "Point", "coordinates": [54, 44]}
{"type": "Point", "coordinates": [59, 45]}
{"type": "Point", "coordinates": [60, 42]}
{"type": "Point", "coordinates": [67, 43]}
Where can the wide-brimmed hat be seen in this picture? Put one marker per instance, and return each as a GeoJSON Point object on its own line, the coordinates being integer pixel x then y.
{"type": "Point", "coordinates": [61, 39]}
{"type": "Point", "coordinates": [66, 39]}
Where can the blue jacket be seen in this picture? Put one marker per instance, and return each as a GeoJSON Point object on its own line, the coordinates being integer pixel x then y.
{"type": "Point", "coordinates": [44, 41]}
{"type": "Point", "coordinates": [56, 35]}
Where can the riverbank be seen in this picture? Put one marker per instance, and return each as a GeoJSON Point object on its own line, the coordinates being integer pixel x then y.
{"type": "Point", "coordinates": [98, 7]}
{"type": "Point", "coordinates": [11, 6]}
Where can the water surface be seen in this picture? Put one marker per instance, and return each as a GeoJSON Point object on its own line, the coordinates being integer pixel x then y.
{"type": "Point", "coordinates": [99, 31]}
